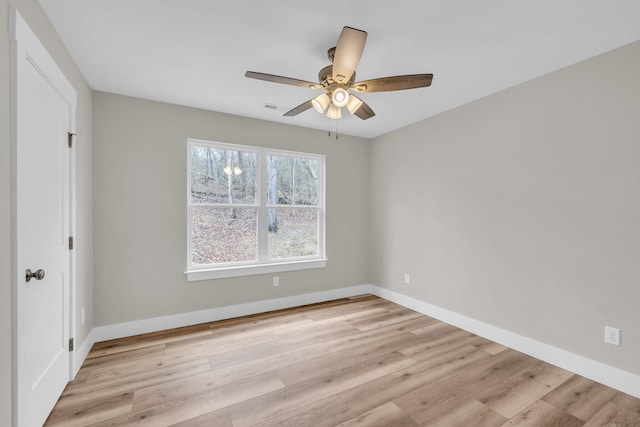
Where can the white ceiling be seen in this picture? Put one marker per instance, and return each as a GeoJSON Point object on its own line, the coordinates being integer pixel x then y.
{"type": "Point", "coordinates": [195, 52]}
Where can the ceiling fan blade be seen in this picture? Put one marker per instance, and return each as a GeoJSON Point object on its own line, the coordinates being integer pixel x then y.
{"type": "Point", "coordinates": [409, 81]}
{"type": "Point", "coordinates": [283, 80]}
{"type": "Point", "coordinates": [299, 109]}
{"type": "Point", "coordinates": [364, 112]}
{"type": "Point", "coordinates": [347, 55]}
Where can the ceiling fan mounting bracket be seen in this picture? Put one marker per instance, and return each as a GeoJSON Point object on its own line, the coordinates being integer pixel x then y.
{"type": "Point", "coordinates": [331, 53]}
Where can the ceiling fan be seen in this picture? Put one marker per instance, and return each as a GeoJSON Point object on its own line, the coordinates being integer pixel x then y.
{"type": "Point", "coordinates": [338, 80]}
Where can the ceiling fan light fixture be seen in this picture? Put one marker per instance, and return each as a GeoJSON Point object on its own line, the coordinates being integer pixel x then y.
{"type": "Point", "coordinates": [340, 97]}
{"type": "Point", "coordinates": [236, 170]}
{"type": "Point", "coordinates": [321, 102]}
{"type": "Point", "coordinates": [334, 112]}
{"type": "Point", "coordinates": [353, 104]}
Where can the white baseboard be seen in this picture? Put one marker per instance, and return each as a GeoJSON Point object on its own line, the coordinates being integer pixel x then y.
{"type": "Point", "coordinates": [120, 330]}
{"type": "Point", "coordinates": [597, 371]}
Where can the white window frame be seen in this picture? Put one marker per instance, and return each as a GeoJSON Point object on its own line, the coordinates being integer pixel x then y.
{"type": "Point", "coordinates": [262, 265]}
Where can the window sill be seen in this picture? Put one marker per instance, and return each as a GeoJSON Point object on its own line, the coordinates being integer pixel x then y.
{"type": "Point", "coordinates": [249, 270]}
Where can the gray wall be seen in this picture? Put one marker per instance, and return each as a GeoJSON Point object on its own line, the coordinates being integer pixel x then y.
{"type": "Point", "coordinates": [141, 216]}
{"type": "Point", "coordinates": [522, 209]}
{"type": "Point", "coordinates": [39, 23]}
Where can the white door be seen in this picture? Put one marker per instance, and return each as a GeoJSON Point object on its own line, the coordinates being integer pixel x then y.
{"type": "Point", "coordinates": [43, 118]}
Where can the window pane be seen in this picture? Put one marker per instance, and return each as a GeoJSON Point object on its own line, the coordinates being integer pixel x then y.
{"type": "Point", "coordinates": [292, 181]}
{"type": "Point", "coordinates": [222, 176]}
{"type": "Point", "coordinates": [293, 232]}
{"type": "Point", "coordinates": [223, 235]}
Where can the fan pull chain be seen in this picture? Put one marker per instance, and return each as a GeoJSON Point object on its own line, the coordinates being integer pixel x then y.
{"type": "Point", "coordinates": [337, 133]}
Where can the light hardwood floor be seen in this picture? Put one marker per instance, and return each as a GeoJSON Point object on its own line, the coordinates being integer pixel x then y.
{"type": "Point", "coordinates": [359, 361]}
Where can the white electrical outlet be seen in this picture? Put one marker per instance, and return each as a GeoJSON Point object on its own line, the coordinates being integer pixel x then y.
{"type": "Point", "coordinates": [612, 335]}
{"type": "Point", "coordinates": [276, 281]}
{"type": "Point", "coordinates": [407, 279]}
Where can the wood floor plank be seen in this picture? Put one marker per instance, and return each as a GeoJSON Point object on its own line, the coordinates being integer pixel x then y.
{"type": "Point", "coordinates": [94, 411]}
{"type": "Point", "coordinates": [471, 413]}
{"type": "Point", "coordinates": [359, 361]}
{"type": "Point", "coordinates": [624, 400]}
{"type": "Point", "coordinates": [387, 415]}
{"type": "Point", "coordinates": [77, 394]}
{"type": "Point", "coordinates": [386, 320]}
{"type": "Point", "coordinates": [580, 397]}
{"type": "Point", "coordinates": [138, 341]}
{"type": "Point", "coordinates": [327, 412]}
{"type": "Point", "coordinates": [253, 355]}
{"type": "Point", "coordinates": [542, 413]}
{"type": "Point", "coordinates": [612, 415]}
{"type": "Point", "coordinates": [97, 361]}
{"type": "Point", "coordinates": [189, 386]}
{"type": "Point", "coordinates": [362, 308]}
{"type": "Point", "coordinates": [324, 330]}
{"type": "Point", "coordinates": [427, 348]}
{"type": "Point", "coordinates": [492, 347]}
{"type": "Point", "coordinates": [436, 330]}
{"type": "Point", "coordinates": [141, 367]}
{"type": "Point", "coordinates": [219, 418]}
{"type": "Point", "coordinates": [213, 344]}
{"type": "Point", "coordinates": [515, 394]}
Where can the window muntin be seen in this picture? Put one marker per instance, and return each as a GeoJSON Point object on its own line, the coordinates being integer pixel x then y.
{"type": "Point", "coordinates": [250, 206]}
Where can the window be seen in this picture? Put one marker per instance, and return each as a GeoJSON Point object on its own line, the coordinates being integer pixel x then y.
{"type": "Point", "coordinates": [253, 210]}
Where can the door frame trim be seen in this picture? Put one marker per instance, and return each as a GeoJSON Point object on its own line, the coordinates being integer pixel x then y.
{"type": "Point", "coordinates": [22, 37]}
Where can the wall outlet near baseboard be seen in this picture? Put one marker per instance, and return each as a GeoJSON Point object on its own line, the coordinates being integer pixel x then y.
{"type": "Point", "coordinates": [407, 279]}
{"type": "Point", "coordinates": [83, 316]}
{"type": "Point", "coordinates": [612, 335]}
{"type": "Point", "coordinates": [276, 280]}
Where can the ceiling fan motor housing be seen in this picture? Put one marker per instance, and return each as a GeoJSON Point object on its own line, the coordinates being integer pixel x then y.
{"type": "Point", "coordinates": [325, 76]}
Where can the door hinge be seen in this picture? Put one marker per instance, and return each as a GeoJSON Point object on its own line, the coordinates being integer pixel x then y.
{"type": "Point", "coordinates": [70, 344]}
{"type": "Point", "coordinates": [70, 242]}
{"type": "Point", "coordinates": [70, 138]}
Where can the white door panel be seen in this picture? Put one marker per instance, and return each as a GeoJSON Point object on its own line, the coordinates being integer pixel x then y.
{"type": "Point", "coordinates": [43, 105]}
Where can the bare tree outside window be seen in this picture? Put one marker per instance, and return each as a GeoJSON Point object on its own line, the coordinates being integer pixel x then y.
{"type": "Point", "coordinates": [225, 204]}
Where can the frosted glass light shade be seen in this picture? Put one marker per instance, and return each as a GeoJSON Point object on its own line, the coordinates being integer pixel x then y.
{"type": "Point", "coordinates": [340, 97]}
{"type": "Point", "coordinates": [353, 104]}
{"type": "Point", "coordinates": [334, 112]}
{"type": "Point", "coordinates": [321, 102]}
